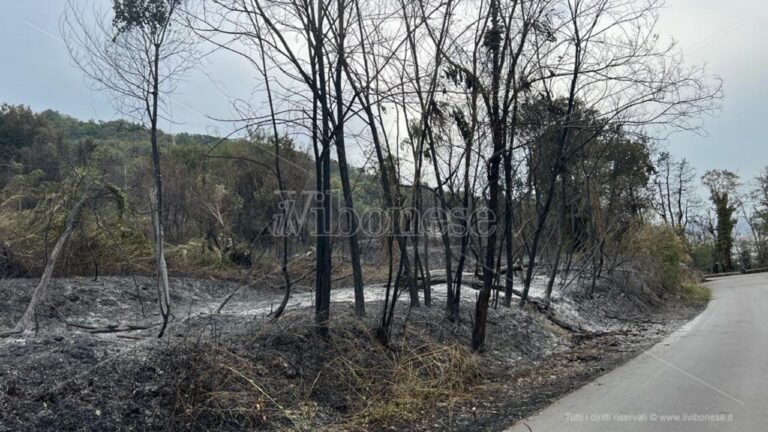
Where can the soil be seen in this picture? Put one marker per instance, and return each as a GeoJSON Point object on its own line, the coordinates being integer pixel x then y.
{"type": "Point", "coordinates": [239, 370]}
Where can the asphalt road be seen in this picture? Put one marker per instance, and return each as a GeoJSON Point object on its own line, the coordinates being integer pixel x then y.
{"type": "Point", "coordinates": [711, 375]}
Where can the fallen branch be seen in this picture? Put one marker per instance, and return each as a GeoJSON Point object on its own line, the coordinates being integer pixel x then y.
{"type": "Point", "coordinates": [122, 328]}
{"type": "Point", "coordinates": [112, 328]}
{"type": "Point", "coordinates": [636, 319]}
{"type": "Point", "coordinates": [122, 336]}
{"type": "Point", "coordinates": [109, 328]}
{"type": "Point", "coordinates": [10, 333]}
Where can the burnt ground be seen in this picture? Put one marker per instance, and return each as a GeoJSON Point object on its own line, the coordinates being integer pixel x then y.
{"type": "Point", "coordinates": [237, 370]}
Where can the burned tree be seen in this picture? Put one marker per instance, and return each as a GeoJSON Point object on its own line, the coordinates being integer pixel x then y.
{"type": "Point", "coordinates": [311, 56]}
{"type": "Point", "coordinates": [673, 183]}
{"type": "Point", "coordinates": [638, 83]}
{"type": "Point", "coordinates": [136, 54]}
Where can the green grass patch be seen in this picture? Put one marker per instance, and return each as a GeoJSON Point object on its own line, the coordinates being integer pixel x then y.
{"type": "Point", "coordinates": [695, 293]}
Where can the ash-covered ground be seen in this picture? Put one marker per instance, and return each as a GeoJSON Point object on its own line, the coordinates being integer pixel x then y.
{"type": "Point", "coordinates": [76, 374]}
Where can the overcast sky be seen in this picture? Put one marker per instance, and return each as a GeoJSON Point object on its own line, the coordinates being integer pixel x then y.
{"type": "Point", "coordinates": [730, 37]}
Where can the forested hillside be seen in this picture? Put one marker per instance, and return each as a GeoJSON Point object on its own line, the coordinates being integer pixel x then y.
{"type": "Point", "coordinates": [219, 207]}
{"type": "Point", "coordinates": [221, 199]}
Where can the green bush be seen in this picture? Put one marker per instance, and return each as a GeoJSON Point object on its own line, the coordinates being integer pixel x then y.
{"type": "Point", "coordinates": [703, 256]}
{"type": "Point", "coordinates": [694, 293]}
{"type": "Point", "coordinates": [662, 250]}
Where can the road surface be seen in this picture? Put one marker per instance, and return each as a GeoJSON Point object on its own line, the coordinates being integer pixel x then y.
{"type": "Point", "coordinates": [711, 375]}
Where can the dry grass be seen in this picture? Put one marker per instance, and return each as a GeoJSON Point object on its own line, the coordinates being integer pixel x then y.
{"type": "Point", "coordinates": [221, 389]}
{"type": "Point", "coordinates": [393, 385]}
{"type": "Point", "coordinates": [695, 294]}
{"type": "Point", "coordinates": [283, 376]}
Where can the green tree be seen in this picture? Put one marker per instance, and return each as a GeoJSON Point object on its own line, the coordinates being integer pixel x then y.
{"type": "Point", "coordinates": [759, 219]}
{"type": "Point", "coordinates": [18, 128]}
{"type": "Point", "coordinates": [723, 187]}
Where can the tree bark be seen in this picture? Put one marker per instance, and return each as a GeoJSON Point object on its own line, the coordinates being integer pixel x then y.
{"type": "Point", "coordinates": [164, 297]}
{"type": "Point", "coordinates": [497, 137]}
{"type": "Point", "coordinates": [42, 287]}
{"type": "Point", "coordinates": [324, 260]}
{"type": "Point", "coordinates": [509, 281]}
{"type": "Point", "coordinates": [281, 186]}
{"type": "Point", "coordinates": [560, 242]}
{"type": "Point", "coordinates": [341, 152]}
{"type": "Point", "coordinates": [543, 213]}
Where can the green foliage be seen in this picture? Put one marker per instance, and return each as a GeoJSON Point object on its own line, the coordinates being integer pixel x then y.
{"type": "Point", "coordinates": [725, 224]}
{"type": "Point", "coordinates": [663, 252]}
{"type": "Point", "coordinates": [761, 193]}
{"type": "Point", "coordinates": [151, 15]}
{"type": "Point", "coordinates": [723, 187]}
{"type": "Point", "coordinates": [695, 294]}
{"type": "Point", "coordinates": [759, 220]}
{"type": "Point", "coordinates": [19, 128]}
{"type": "Point", "coordinates": [703, 256]}
{"type": "Point", "coordinates": [220, 195]}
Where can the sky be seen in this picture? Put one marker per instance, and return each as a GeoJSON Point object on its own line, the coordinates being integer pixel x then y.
{"type": "Point", "coordinates": [728, 36]}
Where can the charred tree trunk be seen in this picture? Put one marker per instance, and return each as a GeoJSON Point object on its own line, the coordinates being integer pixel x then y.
{"type": "Point", "coordinates": [324, 248]}
{"type": "Point", "coordinates": [391, 194]}
{"type": "Point", "coordinates": [497, 137]}
{"type": "Point", "coordinates": [468, 132]}
{"type": "Point", "coordinates": [509, 281]}
{"type": "Point", "coordinates": [163, 286]}
{"type": "Point", "coordinates": [427, 278]}
{"type": "Point", "coordinates": [559, 162]}
{"type": "Point", "coordinates": [281, 186]}
{"type": "Point", "coordinates": [560, 242]}
{"type": "Point", "coordinates": [349, 213]}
